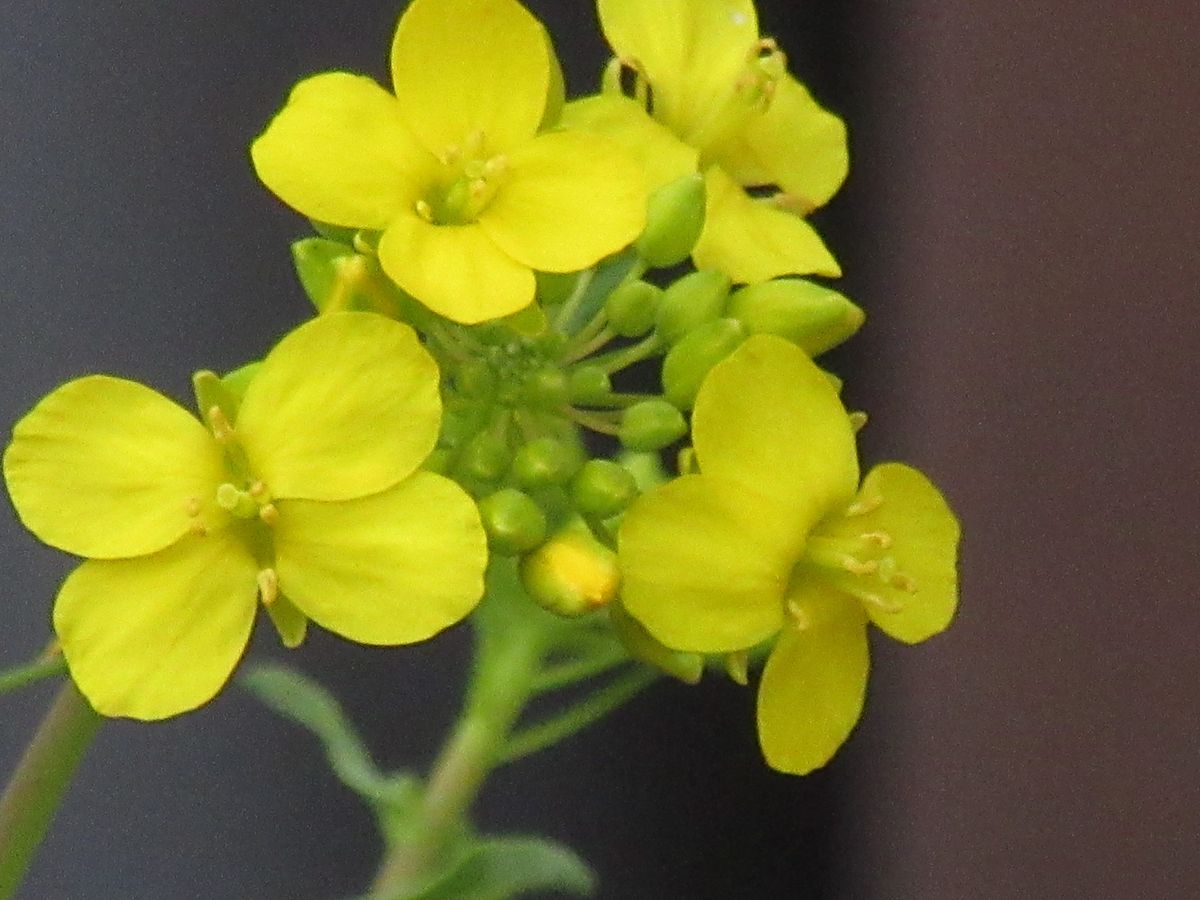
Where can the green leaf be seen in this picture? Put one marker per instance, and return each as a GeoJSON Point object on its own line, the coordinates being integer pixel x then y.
{"type": "Point", "coordinates": [504, 867]}
{"type": "Point", "coordinates": [303, 701]}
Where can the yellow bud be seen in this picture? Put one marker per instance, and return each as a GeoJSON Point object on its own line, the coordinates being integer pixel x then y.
{"type": "Point", "coordinates": [572, 573]}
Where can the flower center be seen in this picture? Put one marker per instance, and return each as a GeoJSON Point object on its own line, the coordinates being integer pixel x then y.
{"type": "Point", "coordinates": [243, 496]}
{"type": "Point", "coordinates": [750, 96]}
{"type": "Point", "coordinates": [860, 564]}
{"type": "Point", "coordinates": [470, 179]}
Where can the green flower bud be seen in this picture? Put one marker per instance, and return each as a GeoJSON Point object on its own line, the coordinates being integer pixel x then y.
{"type": "Point", "coordinates": [545, 462]}
{"type": "Point", "coordinates": [691, 359]}
{"type": "Point", "coordinates": [546, 388]}
{"type": "Point", "coordinates": [588, 384]}
{"type": "Point", "coordinates": [572, 573]}
{"type": "Point", "coordinates": [645, 467]}
{"type": "Point", "coordinates": [687, 667]}
{"type": "Point", "coordinates": [513, 522]}
{"type": "Point", "coordinates": [317, 260]}
{"type": "Point", "coordinates": [602, 489]}
{"type": "Point", "coordinates": [674, 220]}
{"type": "Point", "coordinates": [485, 457]}
{"type": "Point", "coordinates": [691, 301]}
{"type": "Point", "coordinates": [632, 307]}
{"type": "Point", "coordinates": [651, 424]}
{"type": "Point", "coordinates": [475, 379]}
{"type": "Point", "coordinates": [810, 315]}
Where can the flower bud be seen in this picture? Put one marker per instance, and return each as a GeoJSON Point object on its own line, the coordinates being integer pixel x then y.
{"type": "Point", "coordinates": [687, 667]}
{"type": "Point", "coordinates": [602, 489]}
{"type": "Point", "coordinates": [674, 220]}
{"type": "Point", "coordinates": [651, 425]}
{"type": "Point", "coordinates": [694, 299]}
{"type": "Point", "coordinates": [572, 573]}
{"type": "Point", "coordinates": [810, 315]}
{"type": "Point", "coordinates": [485, 457]}
{"type": "Point", "coordinates": [545, 462]}
{"type": "Point", "coordinates": [475, 379]}
{"type": "Point", "coordinates": [588, 384]}
{"type": "Point", "coordinates": [632, 307]}
{"type": "Point", "coordinates": [691, 359]}
{"type": "Point", "coordinates": [546, 388]}
{"type": "Point", "coordinates": [513, 522]}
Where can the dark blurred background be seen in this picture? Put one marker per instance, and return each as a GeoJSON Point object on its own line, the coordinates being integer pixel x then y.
{"type": "Point", "coordinates": [1021, 226]}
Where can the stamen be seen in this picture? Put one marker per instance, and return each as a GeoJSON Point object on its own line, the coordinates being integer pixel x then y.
{"type": "Point", "coordinates": [880, 539]}
{"type": "Point", "coordinates": [902, 582]}
{"type": "Point", "coordinates": [801, 620]}
{"type": "Point", "coordinates": [862, 506]}
{"type": "Point", "coordinates": [199, 529]}
{"type": "Point", "coordinates": [219, 423]}
{"type": "Point", "coordinates": [258, 490]}
{"type": "Point", "coordinates": [883, 604]}
{"type": "Point", "coordinates": [192, 506]}
{"type": "Point", "coordinates": [497, 165]}
{"type": "Point", "coordinates": [832, 553]}
{"type": "Point", "coordinates": [268, 586]}
{"type": "Point", "coordinates": [425, 211]}
{"type": "Point", "coordinates": [269, 514]}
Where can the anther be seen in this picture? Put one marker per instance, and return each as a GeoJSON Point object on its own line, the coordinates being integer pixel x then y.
{"type": "Point", "coordinates": [881, 603]}
{"type": "Point", "coordinates": [880, 539]}
{"type": "Point", "coordinates": [858, 567]}
{"type": "Point", "coordinates": [268, 586]}
{"type": "Point", "coordinates": [258, 491]}
{"type": "Point", "coordinates": [478, 189]}
{"type": "Point", "coordinates": [424, 210]}
{"type": "Point", "coordinates": [863, 505]}
{"type": "Point", "coordinates": [269, 514]}
{"type": "Point", "coordinates": [192, 506]}
{"type": "Point", "coordinates": [902, 582]}
{"type": "Point", "coordinates": [199, 529]}
{"type": "Point", "coordinates": [801, 620]}
{"type": "Point", "coordinates": [497, 165]}
{"type": "Point", "coordinates": [219, 423]}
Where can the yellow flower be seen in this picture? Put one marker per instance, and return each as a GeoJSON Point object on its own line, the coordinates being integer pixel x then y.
{"type": "Point", "coordinates": [470, 198]}
{"type": "Point", "coordinates": [309, 499]}
{"type": "Point", "coordinates": [776, 540]}
{"type": "Point", "coordinates": [725, 92]}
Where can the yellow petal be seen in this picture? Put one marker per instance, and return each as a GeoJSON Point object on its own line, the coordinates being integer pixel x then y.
{"type": "Point", "coordinates": [569, 199]}
{"type": "Point", "coordinates": [339, 152]}
{"type": "Point", "coordinates": [706, 563]}
{"type": "Point", "coordinates": [346, 405]}
{"type": "Point", "coordinates": [455, 270]}
{"type": "Point", "coordinates": [753, 241]}
{"type": "Point", "coordinates": [156, 636]}
{"type": "Point", "coordinates": [461, 66]}
{"type": "Point", "coordinates": [106, 468]}
{"type": "Point", "coordinates": [797, 145]}
{"type": "Point", "coordinates": [924, 545]}
{"type": "Point", "coordinates": [393, 568]}
{"type": "Point", "coordinates": [768, 418]}
{"type": "Point", "coordinates": [663, 157]}
{"type": "Point", "coordinates": [813, 686]}
{"type": "Point", "coordinates": [692, 52]}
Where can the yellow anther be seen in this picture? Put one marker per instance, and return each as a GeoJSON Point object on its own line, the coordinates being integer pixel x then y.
{"type": "Point", "coordinates": [863, 505]}
{"type": "Point", "coordinates": [497, 165]}
{"type": "Point", "coordinates": [199, 529]}
{"type": "Point", "coordinates": [269, 514]}
{"type": "Point", "coordinates": [219, 423]}
{"type": "Point", "coordinates": [801, 620]}
{"type": "Point", "coordinates": [192, 506]}
{"type": "Point", "coordinates": [883, 604]}
{"type": "Point", "coordinates": [478, 189]}
{"type": "Point", "coordinates": [859, 567]}
{"type": "Point", "coordinates": [268, 586]}
{"type": "Point", "coordinates": [880, 539]}
{"type": "Point", "coordinates": [424, 210]}
{"type": "Point", "coordinates": [902, 582]}
{"type": "Point", "coordinates": [258, 490]}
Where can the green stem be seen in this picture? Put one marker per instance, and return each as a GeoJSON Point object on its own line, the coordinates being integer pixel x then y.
{"type": "Point", "coordinates": [625, 357]}
{"type": "Point", "coordinates": [28, 674]}
{"type": "Point", "coordinates": [578, 717]}
{"type": "Point", "coordinates": [40, 781]}
{"type": "Point", "coordinates": [506, 664]}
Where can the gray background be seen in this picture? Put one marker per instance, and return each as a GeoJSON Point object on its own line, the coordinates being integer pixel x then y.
{"type": "Point", "coordinates": [1021, 227]}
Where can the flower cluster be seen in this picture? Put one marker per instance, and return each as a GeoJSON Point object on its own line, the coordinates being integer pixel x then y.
{"type": "Point", "coordinates": [496, 272]}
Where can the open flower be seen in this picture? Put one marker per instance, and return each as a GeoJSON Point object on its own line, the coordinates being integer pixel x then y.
{"type": "Point", "coordinates": [721, 89]}
{"type": "Point", "coordinates": [775, 540]}
{"type": "Point", "coordinates": [470, 198]}
{"type": "Point", "coordinates": [309, 500]}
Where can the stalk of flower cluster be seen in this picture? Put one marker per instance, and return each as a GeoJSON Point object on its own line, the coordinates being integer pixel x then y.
{"type": "Point", "coordinates": [507, 660]}
{"type": "Point", "coordinates": [37, 787]}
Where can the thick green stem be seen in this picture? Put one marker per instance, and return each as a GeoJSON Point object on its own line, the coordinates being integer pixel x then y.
{"type": "Point", "coordinates": [23, 676]}
{"type": "Point", "coordinates": [507, 662]}
{"type": "Point", "coordinates": [40, 781]}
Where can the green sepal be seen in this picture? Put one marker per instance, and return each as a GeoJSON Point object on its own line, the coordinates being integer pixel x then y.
{"type": "Point", "coordinates": [500, 868]}
{"type": "Point", "coordinates": [810, 315]}
{"type": "Point", "coordinates": [674, 220]}
{"type": "Point", "coordinates": [608, 274]}
{"type": "Point", "coordinates": [694, 299]}
{"type": "Point", "coordinates": [651, 425]}
{"type": "Point", "coordinates": [317, 260]}
{"type": "Point", "coordinates": [289, 622]}
{"type": "Point", "coordinates": [337, 233]}
{"type": "Point", "coordinates": [632, 308]}
{"type": "Point", "coordinates": [693, 358]}
{"type": "Point", "coordinates": [687, 667]}
{"type": "Point", "coordinates": [588, 384]}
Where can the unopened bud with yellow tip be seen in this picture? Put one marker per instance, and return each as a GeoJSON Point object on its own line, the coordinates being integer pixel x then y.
{"type": "Point", "coordinates": [813, 317]}
{"type": "Point", "coordinates": [572, 573]}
